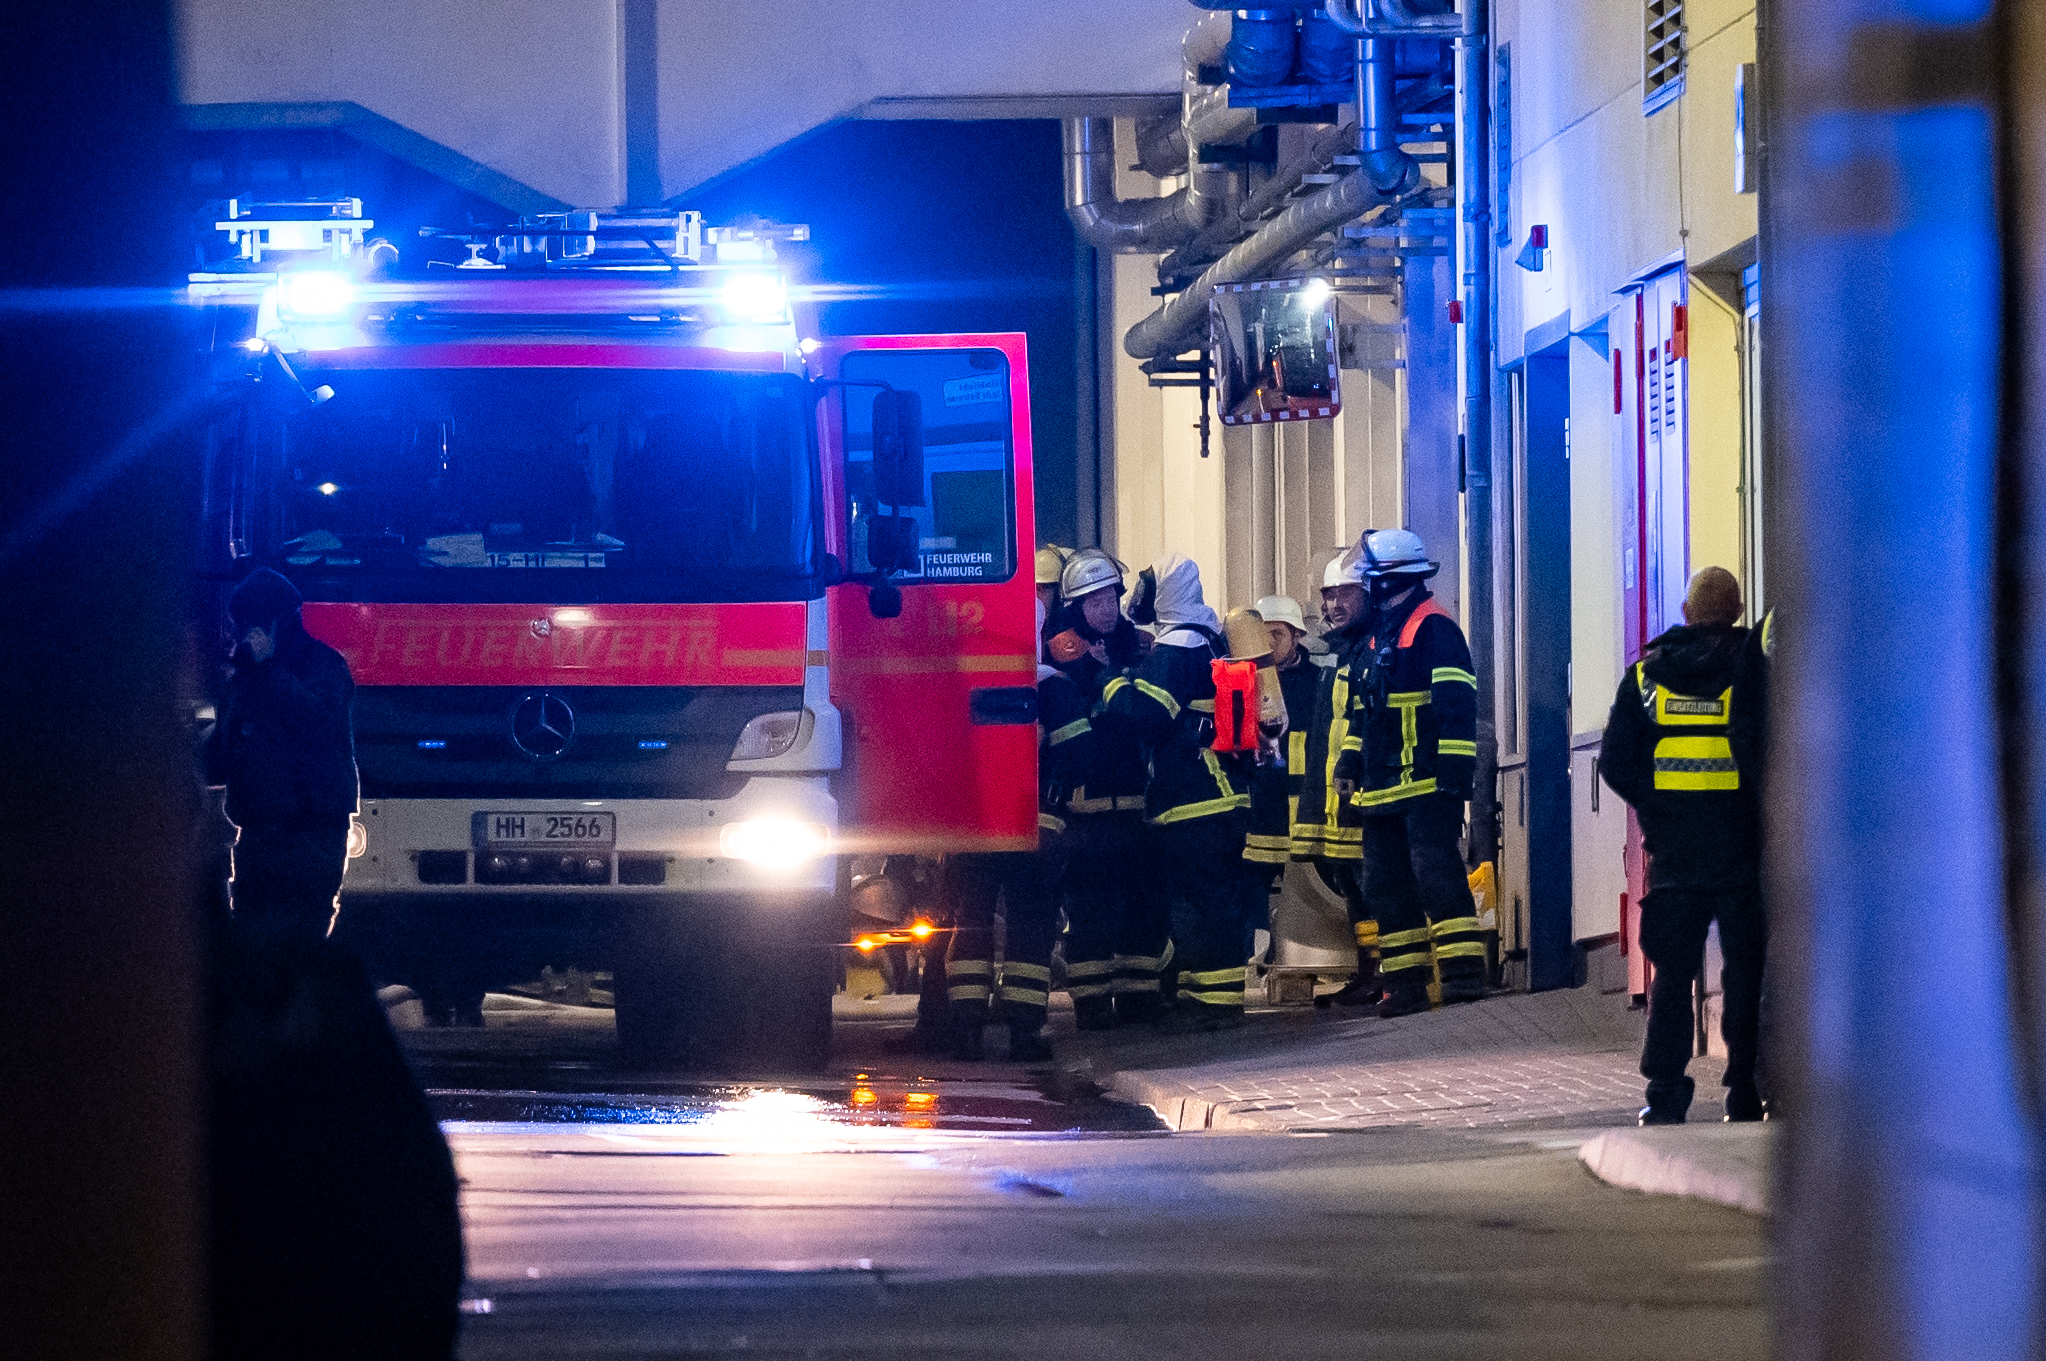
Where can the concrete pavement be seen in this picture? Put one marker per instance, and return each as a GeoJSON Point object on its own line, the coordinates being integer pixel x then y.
{"type": "Point", "coordinates": [1561, 1061]}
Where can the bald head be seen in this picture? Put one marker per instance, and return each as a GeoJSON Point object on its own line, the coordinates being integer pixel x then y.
{"type": "Point", "coordinates": [1714, 597]}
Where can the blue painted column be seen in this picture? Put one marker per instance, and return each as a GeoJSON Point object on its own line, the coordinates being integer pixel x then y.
{"type": "Point", "coordinates": [1909, 1222]}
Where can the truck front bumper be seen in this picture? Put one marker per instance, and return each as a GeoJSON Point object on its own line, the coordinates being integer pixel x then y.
{"type": "Point", "coordinates": [773, 838]}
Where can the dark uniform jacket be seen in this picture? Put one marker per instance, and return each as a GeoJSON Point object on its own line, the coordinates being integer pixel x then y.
{"type": "Point", "coordinates": [285, 744]}
{"type": "Point", "coordinates": [1414, 717]}
{"type": "Point", "coordinates": [1668, 752]}
{"type": "Point", "coordinates": [1320, 830]}
{"type": "Point", "coordinates": [1169, 702]}
{"type": "Point", "coordinates": [1110, 773]}
{"type": "Point", "coordinates": [1275, 789]}
{"type": "Point", "coordinates": [1066, 738]}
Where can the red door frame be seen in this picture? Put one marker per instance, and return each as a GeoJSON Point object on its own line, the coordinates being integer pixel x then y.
{"type": "Point", "coordinates": [920, 776]}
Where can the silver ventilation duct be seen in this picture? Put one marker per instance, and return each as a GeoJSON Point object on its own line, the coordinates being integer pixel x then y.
{"type": "Point", "coordinates": [1156, 225]}
{"type": "Point", "coordinates": [1124, 226]}
{"type": "Point", "coordinates": [1181, 324]}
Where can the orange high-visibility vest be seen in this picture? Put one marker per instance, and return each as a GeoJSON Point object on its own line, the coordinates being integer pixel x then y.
{"type": "Point", "coordinates": [1235, 705]}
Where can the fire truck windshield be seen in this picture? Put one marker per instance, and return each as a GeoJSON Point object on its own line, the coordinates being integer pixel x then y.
{"type": "Point", "coordinates": [543, 484]}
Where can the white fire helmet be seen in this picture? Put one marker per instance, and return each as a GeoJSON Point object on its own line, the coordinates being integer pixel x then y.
{"type": "Point", "coordinates": [1281, 609]}
{"type": "Point", "coordinates": [1395, 552]}
{"type": "Point", "coordinates": [1088, 570]}
{"type": "Point", "coordinates": [1345, 568]}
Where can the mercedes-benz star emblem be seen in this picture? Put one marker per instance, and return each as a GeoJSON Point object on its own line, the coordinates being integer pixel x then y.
{"type": "Point", "coordinates": [542, 725]}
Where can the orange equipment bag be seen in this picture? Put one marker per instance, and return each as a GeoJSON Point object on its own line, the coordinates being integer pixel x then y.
{"type": "Point", "coordinates": [1235, 705]}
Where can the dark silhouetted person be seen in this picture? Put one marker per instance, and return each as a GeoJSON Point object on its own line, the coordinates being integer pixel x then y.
{"type": "Point", "coordinates": [335, 1230]}
{"type": "Point", "coordinates": [286, 752]}
{"type": "Point", "coordinates": [1670, 751]}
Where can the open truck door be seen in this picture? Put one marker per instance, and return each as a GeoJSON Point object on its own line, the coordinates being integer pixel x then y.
{"type": "Point", "coordinates": [938, 685]}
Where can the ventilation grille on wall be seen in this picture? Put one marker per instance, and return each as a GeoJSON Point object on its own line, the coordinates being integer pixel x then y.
{"type": "Point", "coordinates": [1663, 65]}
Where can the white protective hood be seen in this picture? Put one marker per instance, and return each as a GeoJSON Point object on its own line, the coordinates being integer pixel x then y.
{"type": "Point", "coordinates": [1179, 602]}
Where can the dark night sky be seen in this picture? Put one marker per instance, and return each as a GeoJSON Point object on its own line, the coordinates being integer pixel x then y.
{"type": "Point", "coordinates": [971, 210]}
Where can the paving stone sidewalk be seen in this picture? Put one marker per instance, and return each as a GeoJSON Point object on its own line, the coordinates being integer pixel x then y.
{"type": "Point", "coordinates": [1565, 1057]}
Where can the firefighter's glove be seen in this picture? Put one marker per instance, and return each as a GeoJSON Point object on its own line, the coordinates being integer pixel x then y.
{"type": "Point", "coordinates": [1350, 768]}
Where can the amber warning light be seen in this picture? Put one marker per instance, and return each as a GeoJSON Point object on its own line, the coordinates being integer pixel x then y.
{"type": "Point", "coordinates": [914, 934]}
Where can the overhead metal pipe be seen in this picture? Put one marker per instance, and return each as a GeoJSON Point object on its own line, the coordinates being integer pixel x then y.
{"type": "Point", "coordinates": [1122, 226]}
{"type": "Point", "coordinates": [1395, 173]}
{"type": "Point", "coordinates": [1262, 43]}
{"type": "Point", "coordinates": [1156, 225]}
{"type": "Point", "coordinates": [1229, 228]}
{"type": "Point", "coordinates": [1178, 326]}
{"type": "Point", "coordinates": [1474, 194]}
{"type": "Point", "coordinates": [1161, 144]}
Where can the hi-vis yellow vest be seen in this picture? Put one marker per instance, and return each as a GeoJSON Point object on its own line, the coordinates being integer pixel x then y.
{"type": "Point", "coordinates": [1693, 751]}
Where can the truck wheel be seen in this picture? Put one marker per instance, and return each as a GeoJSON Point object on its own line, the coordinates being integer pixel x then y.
{"type": "Point", "coordinates": [649, 984]}
{"type": "Point", "coordinates": [772, 1011]}
{"type": "Point", "coordinates": [696, 993]}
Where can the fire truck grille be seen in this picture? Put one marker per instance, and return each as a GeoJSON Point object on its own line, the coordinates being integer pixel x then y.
{"type": "Point", "coordinates": [570, 742]}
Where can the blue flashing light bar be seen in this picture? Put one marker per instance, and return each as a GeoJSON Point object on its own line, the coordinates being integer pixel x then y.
{"type": "Point", "coordinates": [652, 744]}
{"type": "Point", "coordinates": [432, 743]}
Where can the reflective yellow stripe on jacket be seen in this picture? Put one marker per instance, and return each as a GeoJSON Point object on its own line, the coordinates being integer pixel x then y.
{"type": "Point", "coordinates": [1695, 761]}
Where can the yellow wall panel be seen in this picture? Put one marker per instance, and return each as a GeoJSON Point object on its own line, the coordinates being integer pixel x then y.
{"type": "Point", "coordinates": [1715, 449]}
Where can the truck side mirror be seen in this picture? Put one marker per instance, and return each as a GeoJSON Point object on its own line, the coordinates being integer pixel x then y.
{"type": "Point", "coordinates": [899, 447]}
{"type": "Point", "coordinates": [892, 543]}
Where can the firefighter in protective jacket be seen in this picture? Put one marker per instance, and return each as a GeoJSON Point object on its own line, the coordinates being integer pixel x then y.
{"type": "Point", "coordinates": [1407, 765]}
{"type": "Point", "coordinates": [1027, 885]}
{"type": "Point", "coordinates": [1117, 943]}
{"type": "Point", "coordinates": [1672, 750]}
{"type": "Point", "coordinates": [1196, 803]}
{"type": "Point", "coordinates": [1325, 832]}
{"type": "Point", "coordinates": [1275, 791]}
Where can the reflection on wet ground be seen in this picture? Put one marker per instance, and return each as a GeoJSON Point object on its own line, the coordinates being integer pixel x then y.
{"type": "Point", "coordinates": [868, 1100]}
{"type": "Point", "coordinates": [541, 1066]}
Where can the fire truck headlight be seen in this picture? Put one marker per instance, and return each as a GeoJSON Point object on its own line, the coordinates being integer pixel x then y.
{"type": "Point", "coordinates": [756, 298]}
{"type": "Point", "coordinates": [768, 736]}
{"type": "Point", "coordinates": [315, 293]}
{"type": "Point", "coordinates": [775, 844]}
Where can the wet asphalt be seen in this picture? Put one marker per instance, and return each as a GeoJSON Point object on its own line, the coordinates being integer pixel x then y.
{"type": "Point", "coordinates": [913, 1207]}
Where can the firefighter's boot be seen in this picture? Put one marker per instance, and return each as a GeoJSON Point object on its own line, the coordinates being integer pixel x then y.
{"type": "Point", "coordinates": [1094, 1013]}
{"type": "Point", "coordinates": [1744, 1103]}
{"type": "Point", "coordinates": [1463, 980]}
{"type": "Point", "coordinates": [967, 1032]}
{"type": "Point", "coordinates": [1028, 1045]}
{"type": "Point", "coordinates": [1669, 1101]}
{"type": "Point", "coordinates": [1364, 990]}
{"type": "Point", "coordinates": [1139, 1008]}
{"type": "Point", "coordinates": [1406, 992]}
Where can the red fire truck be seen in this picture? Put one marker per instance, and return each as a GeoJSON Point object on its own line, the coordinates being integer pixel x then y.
{"type": "Point", "coordinates": [660, 609]}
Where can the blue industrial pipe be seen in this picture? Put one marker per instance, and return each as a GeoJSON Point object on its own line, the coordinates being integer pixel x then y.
{"type": "Point", "coordinates": [1327, 52]}
{"type": "Point", "coordinates": [1392, 172]}
{"type": "Point", "coordinates": [1261, 45]}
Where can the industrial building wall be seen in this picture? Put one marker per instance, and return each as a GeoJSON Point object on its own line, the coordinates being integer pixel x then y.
{"type": "Point", "coordinates": [1165, 497]}
{"type": "Point", "coordinates": [1270, 505]}
{"type": "Point", "coordinates": [1619, 190]}
{"type": "Point", "coordinates": [1624, 194]}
